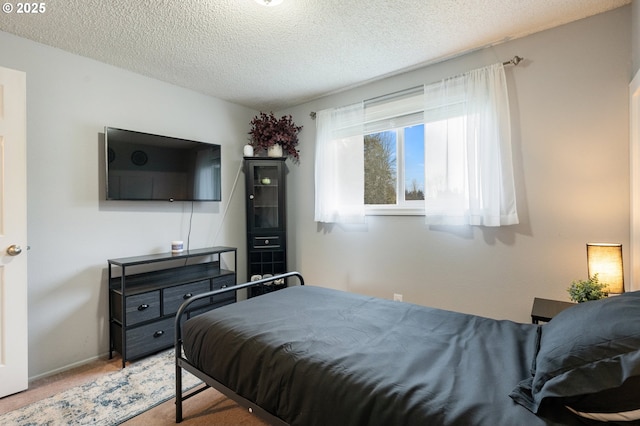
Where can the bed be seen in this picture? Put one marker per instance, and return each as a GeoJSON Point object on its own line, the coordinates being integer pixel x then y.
{"type": "Point", "coordinates": [309, 355]}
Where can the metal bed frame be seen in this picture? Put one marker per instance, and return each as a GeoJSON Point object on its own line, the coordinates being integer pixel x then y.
{"type": "Point", "coordinates": [210, 382]}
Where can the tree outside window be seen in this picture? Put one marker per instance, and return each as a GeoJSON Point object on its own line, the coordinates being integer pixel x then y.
{"type": "Point", "coordinates": [393, 165]}
{"type": "Point", "coordinates": [380, 168]}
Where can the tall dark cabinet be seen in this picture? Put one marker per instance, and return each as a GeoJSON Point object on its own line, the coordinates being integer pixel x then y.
{"type": "Point", "coordinates": [266, 219]}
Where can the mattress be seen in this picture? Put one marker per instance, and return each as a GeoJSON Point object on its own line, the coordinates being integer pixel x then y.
{"type": "Point", "coordinates": [316, 356]}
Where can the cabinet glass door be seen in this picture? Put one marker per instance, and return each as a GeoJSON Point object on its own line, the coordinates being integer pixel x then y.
{"type": "Point", "coordinates": [265, 197]}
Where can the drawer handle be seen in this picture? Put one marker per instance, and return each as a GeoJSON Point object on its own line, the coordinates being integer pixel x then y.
{"type": "Point", "coordinates": [158, 333]}
{"type": "Point", "coordinates": [143, 307]}
{"type": "Point", "coordinates": [186, 296]}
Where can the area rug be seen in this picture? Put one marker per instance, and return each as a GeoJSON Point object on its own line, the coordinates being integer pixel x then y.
{"type": "Point", "coordinates": [108, 400]}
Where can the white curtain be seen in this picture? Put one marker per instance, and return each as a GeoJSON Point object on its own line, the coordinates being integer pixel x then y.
{"type": "Point", "coordinates": [468, 165]}
{"type": "Point", "coordinates": [339, 168]}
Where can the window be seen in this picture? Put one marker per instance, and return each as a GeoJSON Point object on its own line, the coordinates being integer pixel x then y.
{"type": "Point", "coordinates": [394, 170]}
{"type": "Point", "coordinates": [394, 153]}
{"type": "Point", "coordinates": [442, 150]}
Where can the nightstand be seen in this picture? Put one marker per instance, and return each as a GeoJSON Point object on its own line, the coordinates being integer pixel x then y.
{"type": "Point", "coordinates": [545, 309]}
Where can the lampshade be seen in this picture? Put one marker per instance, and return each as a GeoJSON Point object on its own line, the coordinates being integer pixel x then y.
{"type": "Point", "coordinates": [269, 2]}
{"type": "Point", "coordinates": [605, 260]}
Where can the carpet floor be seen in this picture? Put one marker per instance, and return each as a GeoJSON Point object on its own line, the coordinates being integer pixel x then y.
{"type": "Point", "coordinates": [102, 393]}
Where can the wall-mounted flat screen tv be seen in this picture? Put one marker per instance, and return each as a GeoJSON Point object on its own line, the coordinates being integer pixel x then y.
{"type": "Point", "coordinates": [142, 166]}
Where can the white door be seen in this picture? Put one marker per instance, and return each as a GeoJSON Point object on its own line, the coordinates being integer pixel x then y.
{"type": "Point", "coordinates": [13, 232]}
{"type": "Point", "coordinates": [634, 108]}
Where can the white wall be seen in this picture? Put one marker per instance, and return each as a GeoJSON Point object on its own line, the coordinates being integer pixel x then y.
{"type": "Point", "coordinates": [570, 126]}
{"type": "Point", "coordinates": [72, 229]}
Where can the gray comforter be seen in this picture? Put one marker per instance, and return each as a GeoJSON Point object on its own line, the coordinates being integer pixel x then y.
{"type": "Point", "coordinates": [315, 356]}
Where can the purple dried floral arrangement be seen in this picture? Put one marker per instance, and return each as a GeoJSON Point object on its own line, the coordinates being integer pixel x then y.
{"type": "Point", "coordinates": [267, 130]}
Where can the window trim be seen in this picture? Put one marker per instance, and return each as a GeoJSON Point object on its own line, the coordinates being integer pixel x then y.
{"type": "Point", "coordinates": [393, 210]}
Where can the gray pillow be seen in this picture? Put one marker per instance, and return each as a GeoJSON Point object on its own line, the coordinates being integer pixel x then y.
{"type": "Point", "coordinates": [588, 358]}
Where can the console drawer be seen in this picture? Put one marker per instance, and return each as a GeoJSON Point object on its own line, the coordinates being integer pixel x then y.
{"type": "Point", "coordinates": [270, 242]}
{"type": "Point", "coordinates": [224, 282]}
{"type": "Point", "coordinates": [150, 338]}
{"type": "Point", "coordinates": [173, 297]}
{"type": "Point", "coordinates": [140, 307]}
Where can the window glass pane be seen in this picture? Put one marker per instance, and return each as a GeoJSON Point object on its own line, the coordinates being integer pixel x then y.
{"type": "Point", "coordinates": [414, 162]}
{"type": "Point", "coordinates": [380, 177]}
{"type": "Point", "coordinates": [265, 201]}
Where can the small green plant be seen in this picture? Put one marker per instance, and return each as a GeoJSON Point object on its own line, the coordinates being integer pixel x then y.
{"type": "Point", "coordinates": [584, 290]}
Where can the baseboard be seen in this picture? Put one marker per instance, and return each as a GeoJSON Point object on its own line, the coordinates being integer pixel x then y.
{"type": "Point", "coordinates": [68, 367]}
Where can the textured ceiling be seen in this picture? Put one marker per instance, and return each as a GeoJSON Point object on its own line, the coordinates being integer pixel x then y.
{"type": "Point", "coordinates": [269, 58]}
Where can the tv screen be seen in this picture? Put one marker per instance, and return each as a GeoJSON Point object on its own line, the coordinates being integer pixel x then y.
{"type": "Point", "coordinates": [142, 166]}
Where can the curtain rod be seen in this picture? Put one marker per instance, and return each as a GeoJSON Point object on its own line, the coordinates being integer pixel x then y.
{"type": "Point", "coordinates": [513, 61]}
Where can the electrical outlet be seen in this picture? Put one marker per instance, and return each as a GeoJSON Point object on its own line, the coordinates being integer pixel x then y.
{"type": "Point", "coordinates": [397, 297]}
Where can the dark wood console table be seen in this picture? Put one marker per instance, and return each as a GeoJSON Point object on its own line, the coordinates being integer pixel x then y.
{"type": "Point", "coordinates": [145, 293]}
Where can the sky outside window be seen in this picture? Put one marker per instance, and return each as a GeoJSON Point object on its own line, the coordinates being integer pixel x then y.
{"type": "Point", "coordinates": [414, 157]}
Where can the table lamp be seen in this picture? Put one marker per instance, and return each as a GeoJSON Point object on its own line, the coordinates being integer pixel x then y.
{"type": "Point", "coordinates": [605, 259]}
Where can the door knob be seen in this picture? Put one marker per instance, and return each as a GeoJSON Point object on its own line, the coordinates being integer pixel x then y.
{"type": "Point", "coordinates": [14, 250]}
